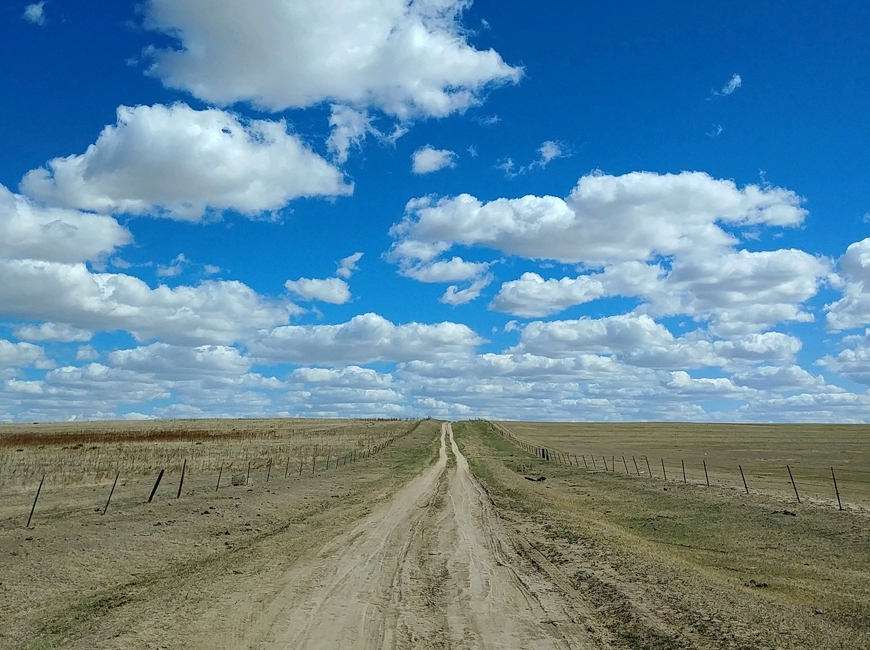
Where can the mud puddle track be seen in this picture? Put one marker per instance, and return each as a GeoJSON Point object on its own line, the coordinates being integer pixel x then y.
{"type": "Point", "coordinates": [431, 569]}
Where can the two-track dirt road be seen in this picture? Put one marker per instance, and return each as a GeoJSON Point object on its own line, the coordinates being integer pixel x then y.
{"type": "Point", "coordinates": [430, 569]}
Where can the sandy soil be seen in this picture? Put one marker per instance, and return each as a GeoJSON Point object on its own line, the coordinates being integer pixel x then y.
{"type": "Point", "coordinates": [427, 570]}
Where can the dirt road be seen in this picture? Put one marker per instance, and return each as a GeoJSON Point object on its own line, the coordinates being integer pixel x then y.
{"type": "Point", "coordinates": [428, 570]}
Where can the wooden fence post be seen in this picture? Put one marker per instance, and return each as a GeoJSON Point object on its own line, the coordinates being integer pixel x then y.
{"type": "Point", "coordinates": [636, 470]}
{"type": "Point", "coordinates": [605, 462]}
{"type": "Point", "coordinates": [585, 464]}
{"type": "Point", "coordinates": [745, 487]}
{"type": "Point", "coordinates": [111, 492]}
{"type": "Point", "coordinates": [38, 490]}
{"type": "Point", "coordinates": [181, 482]}
{"type": "Point", "coordinates": [648, 468]}
{"type": "Point", "coordinates": [625, 464]}
{"type": "Point", "coordinates": [836, 489]}
{"type": "Point", "coordinates": [791, 478]}
{"type": "Point", "coordinates": [220, 473]}
{"type": "Point", "coordinates": [706, 476]}
{"type": "Point", "coordinates": [287, 469]}
{"type": "Point", "coordinates": [301, 460]}
{"type": "Point", "coordinates": [683, 463]}
{"type": "Point", "coordinates": [594, 466]}
{"type": "Point", "coordinates": [156, 484]}
{"type": "Point", "coordinates": [664, 473]}
{"type": "Point", "coordinates": [269, 470]}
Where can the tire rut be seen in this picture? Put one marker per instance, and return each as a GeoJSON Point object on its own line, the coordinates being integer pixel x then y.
{"type": "Point", "coordinates": [433, 569]}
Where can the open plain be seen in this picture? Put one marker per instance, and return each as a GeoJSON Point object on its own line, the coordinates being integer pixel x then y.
{"type": "Point", "coordinates": [416, 535]}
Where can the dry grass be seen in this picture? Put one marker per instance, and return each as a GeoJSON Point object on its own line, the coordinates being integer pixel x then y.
{"type": "Point", "coordinates": [91, 453]}
{"type": "Point", "coordinates": [151, 575]}
{"type": "Point", "coordinates": [763, 450]}
{"type": "Point", "coordinates": [676, 566]}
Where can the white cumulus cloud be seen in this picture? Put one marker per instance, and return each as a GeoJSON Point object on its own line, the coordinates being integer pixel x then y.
{"type": "Point", "coordinates": [16, 355]}
{"type": "Point", "coordinates": [429, 159]}
{"type": "Point", "coordinates": [606, 219]}
{"type": "Point", "coordinates": [405, 58]}
{"type": "Point", "coordinates": [29, 230]}
{"type": "Point", "coordinates": [331, 290]}
{"type": "Point", "coordinates": [532, 296]}
{"type": "Point", "coordinates": [215, 312]}
{"type": "Point", "coordinates": [853, 278]}
{"type": "Point", "coordinates": [180, 162]}
{"type": "Point", "coordinates": [365, 338]}
{"type": "Point", "coordinates": [455, 269]}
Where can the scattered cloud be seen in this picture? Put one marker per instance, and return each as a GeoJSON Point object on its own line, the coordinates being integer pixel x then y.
{"type": "Point", "coordinates": [35, 13]}
{"type": "Point", "coordinates": [428, 159]}
{"type": "Point", "coordinates": [715, 131]}
{"type": "Point", "coordinates": [348, 265]}
{"type": "Point", "coordinates": [455, 296]}
{"type": "Point", "coordinates": [349, 128]}
{"type": "Point", "coordinates": [733, 84]}
{"type": "Point", "coordinates": [331, 290]}
{"type": "Point", "coordinates": [181, 163]}
{"type": "Point", "coordinates": [547, 152]}
{"type": "Point", "coordinates": [175, 268]}
{"type": "Point", "coordinates": [453, 270]}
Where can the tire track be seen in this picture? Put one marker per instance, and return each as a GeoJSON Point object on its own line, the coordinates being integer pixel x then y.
{"type": "Point", "coordinates": [432, 569]}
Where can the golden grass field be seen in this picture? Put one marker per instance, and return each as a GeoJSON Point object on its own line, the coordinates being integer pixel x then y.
{"type": "Point", "coordinates": [763, 451]}
{"type": "Point", "coordinates": [143, 573]}
{"type": "Point", "coordinates": [92, 453]}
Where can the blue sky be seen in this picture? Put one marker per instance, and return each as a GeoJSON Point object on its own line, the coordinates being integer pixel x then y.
{"type": "Point", "coordinates": [437, 208]}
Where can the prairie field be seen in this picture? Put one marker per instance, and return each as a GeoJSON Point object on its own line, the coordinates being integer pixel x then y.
{"type": "Point", "coordinates": [762, 450]}
{"type": "Point", "coordinates": [76, 575]}
{"type": "Point", "coordinates": [368, 534]}
{"type": "Point", "coordinates": [665, 564]}
{"type": "Point", "coordinates": [69, 454]}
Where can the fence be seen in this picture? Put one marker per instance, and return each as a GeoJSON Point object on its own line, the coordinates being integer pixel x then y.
{"type": "Point", "coordinates": [640, 466]}
{"type": "Point", "coordinates": [326, 459]}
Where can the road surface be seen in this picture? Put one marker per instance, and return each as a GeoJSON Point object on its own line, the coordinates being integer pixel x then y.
{"type": "Point", "coordinates": [433, 568]}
